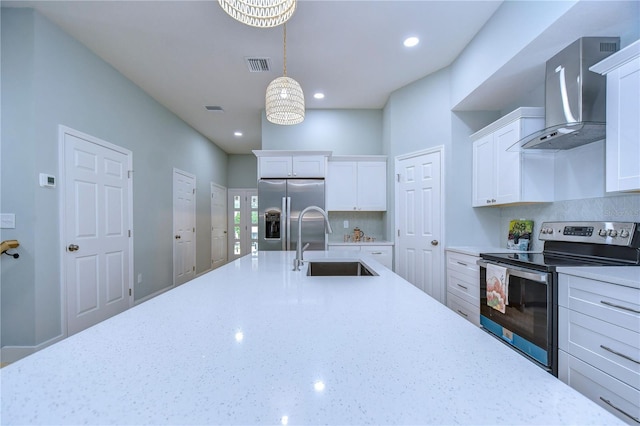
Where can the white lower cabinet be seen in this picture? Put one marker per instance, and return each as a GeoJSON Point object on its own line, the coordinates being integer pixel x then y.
{"type": "Point", "coordinates": [599, 343]}
{"type": "Point", "coordinates": [463, 285]}
{"type": "Point", "coordinates": [381, 253]}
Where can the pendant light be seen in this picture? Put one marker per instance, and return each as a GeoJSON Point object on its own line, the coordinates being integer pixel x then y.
{"type": "Point", "coordinates": [259, 13]}
{"type": "Point", "coordinates": [284, 99]}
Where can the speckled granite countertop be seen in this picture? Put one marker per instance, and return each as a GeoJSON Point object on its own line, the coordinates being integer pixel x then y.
{"type": "Point", "coordinates": [255, 343]}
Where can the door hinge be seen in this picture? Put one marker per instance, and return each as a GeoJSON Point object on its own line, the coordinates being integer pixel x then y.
{"type": "Point", "coordinates": [130, 292]}
{"type": "Point", "coordinates": [193, 269]}
{"type": "Point", "coordinates": [398, 232]}
{"type": "Point", "coordinates": [194, 229]}
{"type": "Point", "coordinates": [129, 173]}
{"type": "Point", "coordinates": [194, 190]}
{"type": "Point", "coordinates": [129, 233]}
{"type": "Point", "coordinates": [398, 175]}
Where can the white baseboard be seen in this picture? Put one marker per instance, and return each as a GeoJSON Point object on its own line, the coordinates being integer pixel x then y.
{"type": "Point", "coordinates": [9, 354]}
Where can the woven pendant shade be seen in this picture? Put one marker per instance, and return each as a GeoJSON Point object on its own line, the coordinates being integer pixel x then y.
{"type": "Point", "coordinates": [284, 101]}
{"type": "Point", "coordinates": [259, 13]}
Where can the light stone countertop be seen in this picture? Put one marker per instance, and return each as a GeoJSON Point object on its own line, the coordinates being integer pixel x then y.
{"type": "Point", "coordinates": [361, 243]}
{"type": "Point", "coordinates": [256, 343]}
{"type": "Point", "coordinates": [622, 275]}
{"type": "Point", "coordinates": [477, 250]}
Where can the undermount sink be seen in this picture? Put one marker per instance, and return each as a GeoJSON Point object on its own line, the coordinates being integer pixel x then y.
{"type": "Point", "coordinates": [339, 268]}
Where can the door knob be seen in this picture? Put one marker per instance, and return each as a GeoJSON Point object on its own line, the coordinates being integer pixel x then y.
{"type": "Point", "coordinates": [73, 247]}
{"type": "Point", "coordinates": [177, 237]}
{"type": "Point", "coordinates": [434, 242]}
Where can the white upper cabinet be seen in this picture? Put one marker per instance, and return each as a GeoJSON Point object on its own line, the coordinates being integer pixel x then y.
{"type": "Point", "coordinates": [357, 184]}
{"type": "Point", "coordinates": [505, 174]}
{"type": "Point", "coordinates": [275, 164]}
{"type": "Point", "coordinates": [623, 118]}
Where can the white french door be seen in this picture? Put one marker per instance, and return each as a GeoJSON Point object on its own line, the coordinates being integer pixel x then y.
{"type": "Point", "coordinates": [419, 203]}
{"type": "Point", "coordinates": [218, 225]}
{"type": "Point", "coordinates": [96, 200]}
{"type": "Point", "coordinates": [184, 227]}
{"type": "Point", "coordinates": [242, 222]}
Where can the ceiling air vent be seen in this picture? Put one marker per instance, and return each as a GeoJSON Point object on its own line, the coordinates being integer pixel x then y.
{"type": "Point", "coordinates": [215, 108]}
{"type": "Point", "coordinates": [608, 47]}
{"type": "Point", "coordinates": [258, 64]}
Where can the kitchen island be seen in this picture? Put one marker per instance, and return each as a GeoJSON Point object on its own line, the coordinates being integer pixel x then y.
{"type": "Point", "coordinates": [255, 343]}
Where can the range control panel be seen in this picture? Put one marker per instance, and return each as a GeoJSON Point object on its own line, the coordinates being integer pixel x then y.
{"type": "Point", "coordinates": [612, 233]}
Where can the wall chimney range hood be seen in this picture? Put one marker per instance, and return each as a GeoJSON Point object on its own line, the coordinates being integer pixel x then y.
{"type": "Point", "coordinates": [575, 98]}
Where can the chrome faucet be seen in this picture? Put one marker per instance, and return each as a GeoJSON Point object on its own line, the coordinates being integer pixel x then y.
{"type": "Point", "coordinates": [299, 249]}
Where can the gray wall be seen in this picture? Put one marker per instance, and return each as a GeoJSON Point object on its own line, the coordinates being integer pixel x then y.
{"type": "Point", "coordinates": [48, 79]}
{"type": "Point", "coordinates": [242, 171]}
{"type": "Point", "coordinates": [344, 132]}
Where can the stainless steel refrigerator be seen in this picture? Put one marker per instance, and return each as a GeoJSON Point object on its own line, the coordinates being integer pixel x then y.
{"type": "Point", "coordinates": [280, 202]}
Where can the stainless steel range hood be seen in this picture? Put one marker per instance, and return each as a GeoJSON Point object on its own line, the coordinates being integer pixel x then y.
{"type": "Point", "coordinates": [575, 98]}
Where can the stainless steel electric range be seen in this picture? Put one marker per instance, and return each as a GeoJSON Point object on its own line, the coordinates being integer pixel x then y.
{"type": "Point", "coordinates": [529, 321]}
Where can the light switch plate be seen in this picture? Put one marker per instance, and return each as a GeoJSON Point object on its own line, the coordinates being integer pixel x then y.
{"type": "Point", "coordinates": [346, 224]}
{"type": "Point", "coordinates": [7, 220]}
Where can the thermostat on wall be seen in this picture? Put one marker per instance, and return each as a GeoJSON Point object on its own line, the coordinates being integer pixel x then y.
{"type": "Point", "coordinates": [47, 181]}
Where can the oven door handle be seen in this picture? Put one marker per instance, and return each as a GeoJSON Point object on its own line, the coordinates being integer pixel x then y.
{"type": "Point", "coordinates": [520, 273]}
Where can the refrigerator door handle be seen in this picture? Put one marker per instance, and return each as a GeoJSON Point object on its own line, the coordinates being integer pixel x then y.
{"type": "Point", "coordinates": [288, 223]}
{"type": "Point", "coordinates": [285, 232]}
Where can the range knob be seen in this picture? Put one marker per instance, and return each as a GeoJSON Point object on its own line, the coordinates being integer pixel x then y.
{"type": "Point", "coordinates": [613, 233]}
{"type": "Point", "coordinates": [624, 233]}
{"type": "Point", "coordinates": [602, 232]}
{"type": "Point", "coordinates": [546, 230]}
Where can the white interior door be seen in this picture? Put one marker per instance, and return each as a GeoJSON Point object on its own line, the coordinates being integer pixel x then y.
{"type": "Point", "coordinates": [218, 226]}
{"type": "Point", "coordinates": [419, 257]}
{"type": "Point", "coordinates": [184, 227]}
{"type": "Point", "coordinates": [96, 229]}
{"type": "Point", "coordinates": [242, 222]}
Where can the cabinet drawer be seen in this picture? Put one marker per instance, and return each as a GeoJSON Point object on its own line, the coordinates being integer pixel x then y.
{"type": "Point", "coordinates": [383, 254]}
{"type": "Point", "coordinates": [463, 286]}
{"type": "Point", "coordinates": [612, 349]}
{"type": "Point", "coordinates": [612, 303]}
{"type": "Point", "coordinates": [464, 264]}
{"type": "Point", "coordinates": [463, 308]}
{"type": "Point", "coordinates": [599, 386]}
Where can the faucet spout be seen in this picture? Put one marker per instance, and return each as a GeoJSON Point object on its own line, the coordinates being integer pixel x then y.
{"type": "Point", "coordinates": [299, 249]}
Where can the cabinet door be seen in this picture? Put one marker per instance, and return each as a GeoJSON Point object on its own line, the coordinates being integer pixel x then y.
{"type": "Point", "coordinates": [372, 185]}
{"type": "Point", "coordinates": [623, 128]}
{"type": "Point", "coordinates": [308, 166]}
{"type": "Point", "coordinates": [275, 167]}
{"type": "Point", "coordinates": [341, 186]}
{"type": "Point", "coordinates": [507, 165]}
{"type": "Point", "coordinates": [483, 172]}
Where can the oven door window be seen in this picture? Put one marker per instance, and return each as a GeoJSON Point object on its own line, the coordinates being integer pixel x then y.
{"type": "Point", "coordinates": [526, 315]}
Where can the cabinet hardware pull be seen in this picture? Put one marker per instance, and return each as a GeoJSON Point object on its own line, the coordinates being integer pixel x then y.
{"type": "Point", "coordinates": [461, 263]}
{"type": "Point", "coordinates": [460, 285]}
{"type": "Point", "coordinates": [606, 401]}
{"type": "Point", "coordinates": [376, 252]}
{"type": "Point", "coordinates": [619, 354]}
{"type": "Point", "coordinates": [462, 313]}
{"type": "Point", "coordinates": [604, 302]}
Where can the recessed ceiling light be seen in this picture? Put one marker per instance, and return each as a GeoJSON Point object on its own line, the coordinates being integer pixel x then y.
{"type": "Point", "coordinates": [238, 134]}
{"type": "Point", "coordinates": [318, 95]}
{"type": "Point", "coordinates": [411, 41]}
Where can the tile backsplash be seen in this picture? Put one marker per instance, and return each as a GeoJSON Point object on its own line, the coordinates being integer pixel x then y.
{"type": "Point", "coordinates": [371, 223]}
{"type": "Point", "coordinates": [618, 208]}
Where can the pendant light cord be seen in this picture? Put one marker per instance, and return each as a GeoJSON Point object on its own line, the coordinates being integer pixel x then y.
{"type": "Point", "coordinates": [285, 50]}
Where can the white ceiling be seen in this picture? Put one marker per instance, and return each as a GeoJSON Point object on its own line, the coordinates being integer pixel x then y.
{"type": "Point", "coordinates": [188, 54]}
